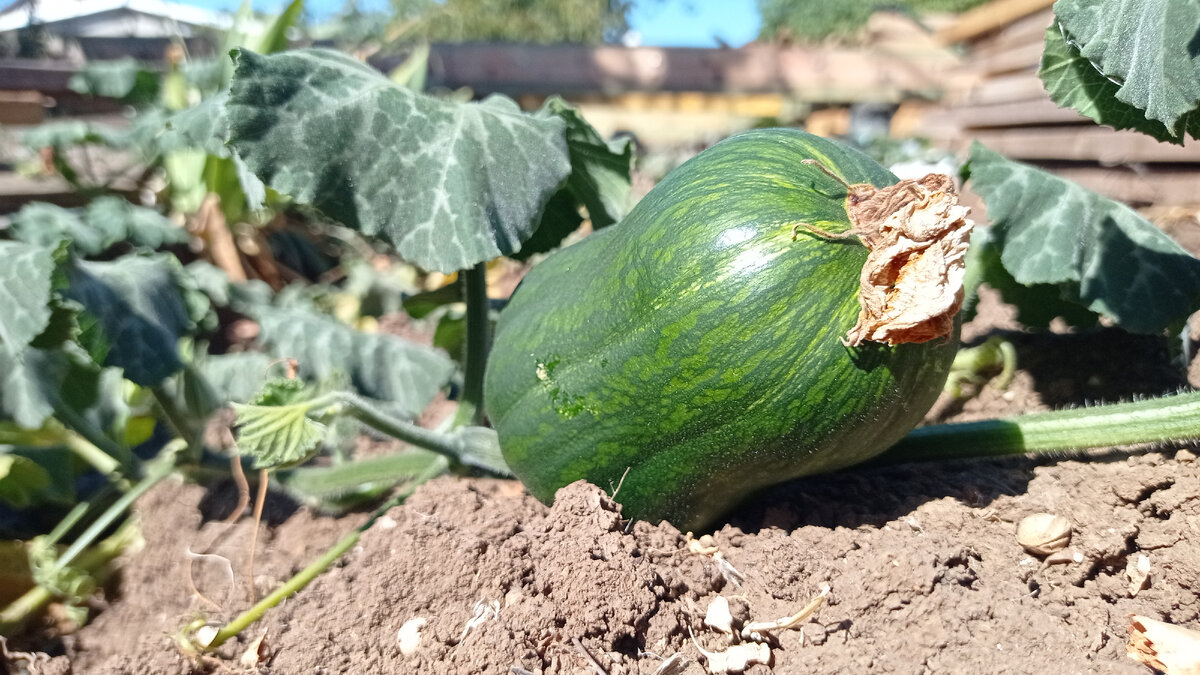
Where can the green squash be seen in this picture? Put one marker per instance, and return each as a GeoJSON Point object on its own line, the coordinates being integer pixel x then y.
{"type": "Point", "coordinates": [692, 354]}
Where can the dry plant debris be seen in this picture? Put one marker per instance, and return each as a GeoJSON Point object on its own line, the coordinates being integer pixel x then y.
{"type": "Point", "coordinates": [1138, 571]}
{"type": "Point", "coordinates": [1165, 647]}
{"type": "Point", "coordinates": [917, 233]}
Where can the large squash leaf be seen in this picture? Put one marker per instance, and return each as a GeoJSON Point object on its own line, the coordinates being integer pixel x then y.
{"type": "Point", "coordinates": [1099, 253]}
{"type": "Point", "coordinates": [383, 367]}
{"type": "Point", "coordinates": [123, 79]}
{"type": "Point", "coordinates": [25, 285]}
{"type": "Point", "coordinates": [1145, 47]}
{"type": "Point", "coordinates": [1073, 82]}
{"type": "Point", "coordinates": [600, 179]}
{"type": "Point", "coordinates": [105, 222]}
{"type": "Point", "coordinates": [137, 314]}
{"type": "Point", "coordinates": [448, 184]}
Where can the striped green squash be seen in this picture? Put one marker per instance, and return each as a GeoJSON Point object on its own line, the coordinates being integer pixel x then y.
{"type": "Point", "coordinates": [691, 353]}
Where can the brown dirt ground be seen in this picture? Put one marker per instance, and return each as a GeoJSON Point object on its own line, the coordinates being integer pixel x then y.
{"type": "Point", "coordinates": [921, 561]}
{"type": "Point", "coordinates": [924, 571]}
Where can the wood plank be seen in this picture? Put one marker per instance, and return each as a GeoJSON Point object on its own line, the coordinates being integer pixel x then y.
{"type": "Point", "coordinates": [1099, 144]}
{"type": "Point", "coordinates": [1021, 58]}
{"type": "Point", "coordinates": [1032, 112]}
{"type": "Point", "coordinates": [807, 73]}
{"type": "Point", "coordinates": [1021, 32]}
{"type": "Point", "coordinates": [1144, 186]}
{"type": "Point", "coordinates": [1006, 89]}
{"type": "Point", "coordinates": [987, 18]}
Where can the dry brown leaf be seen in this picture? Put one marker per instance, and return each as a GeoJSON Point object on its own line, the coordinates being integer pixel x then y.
{"type": "Point", "coordinates": [1167, 648]}
{"type": "Point", "coordinates": [917, 233]}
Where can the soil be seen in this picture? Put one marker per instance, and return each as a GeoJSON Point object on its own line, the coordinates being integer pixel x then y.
{"type": "Point", "coordinates": [917, 567]}
{"type": "Point", "coordinates": [920, 565]}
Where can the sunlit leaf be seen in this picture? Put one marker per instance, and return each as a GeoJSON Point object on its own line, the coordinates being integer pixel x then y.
{"type": "Point", "coordinates": [235, 377]}
{"type": "Point", "coordinates": [105, 222]}
{"type": "Point", "coordinates": [1073, 82]}
{"type": "Point", "coordinates": [30, 383]}
{"type": "Point", "coordinates": [123, 79]}
{"type": "Point", "coordinates": [383, 367]}
{"type": "Point", "coordinates": [139, 311]}
{"type": "Point", "coordinates": [25, 285]}
{"type": "Point", "coordinates": [277, 436]}
{"type": "Point", "coordinates": [448, 184]}
{"type": "Point", "coordinates": [1099, 253]}
{"type": "Point", "coordinates": [1146, 46]}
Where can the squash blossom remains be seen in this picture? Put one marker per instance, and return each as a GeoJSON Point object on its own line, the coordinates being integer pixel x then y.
{"type": "Point", "coordinates": [912, 282]}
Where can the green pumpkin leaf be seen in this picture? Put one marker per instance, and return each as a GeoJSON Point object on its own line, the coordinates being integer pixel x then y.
{"type": "Point", "coordinates": [1146, 47]}
{"type": "Point", "coordinates": [383, 367]}
{"type": "Point", "coordinates": [29, 385]}
{"type": "Point", "coordinates": [123, 79]}
{"type": "Point", "coordinates": [202, 126]}
{"type": "Point", "coordinates": [138, 225]}
{"type": "Point", "coordinates": [234, 377]}
{"type": "Point", "coordinates": [25, 285]}
{"type": "Point", "coordinates": [1099, 253]}
{"type": "Point", "coordinates": [1073, 82]}
{"type": "Point", "coordinates": [105, 222]}
{"type": "Point", "coordinates": [139, 314]}
{"type": "Point", "coordinates": [448, 184]}
{"type": "Point", "coordinates": [601, 170]}
{"type": "Point", "coordinates": [277, 435]}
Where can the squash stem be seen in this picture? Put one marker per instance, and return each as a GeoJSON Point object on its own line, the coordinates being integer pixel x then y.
{"type": "Point", "coordinates": [479, 338]}
{"type": "Point", "coordinates": [1166, 420]}
{"type": "Point", "coordinates": [314, 569]}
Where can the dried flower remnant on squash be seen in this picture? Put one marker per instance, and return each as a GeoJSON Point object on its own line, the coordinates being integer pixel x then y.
{"type": "Point", "coordinates": [912, 283]}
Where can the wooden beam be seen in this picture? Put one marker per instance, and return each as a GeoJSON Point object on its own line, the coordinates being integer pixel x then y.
{"type": "Point", "coordinates": [1020, 58]}
{"type": "Point", "coordinates": [1006, 89]}
{"type": "Point", "coordinates": [1032, 112]}
{"type": "Point", "coordinates": [825, 74]}
{"type": "Point", "coordinates": [1021, 32]}
{"type": "Point", "coordinates": [1098, 144]}
{"type": "Point", "coordinates": [1145, 186]}
{"type": "Point", "coordinates": [989, 17]}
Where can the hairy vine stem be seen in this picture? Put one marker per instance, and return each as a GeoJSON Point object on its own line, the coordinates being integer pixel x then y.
{"type": "Point", "coordinates": [1167, 419]}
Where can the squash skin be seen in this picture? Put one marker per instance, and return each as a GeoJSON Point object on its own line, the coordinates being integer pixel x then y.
{"type": "Point", "coordinates": [694, 348]}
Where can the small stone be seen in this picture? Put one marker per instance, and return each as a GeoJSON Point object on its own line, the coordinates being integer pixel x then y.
{"type": "Point", "coordinates": [1044, 533]}
{"type": "Point", "coordinates": [718, 616]}
{"type": "Point", "coordinates": [1185, 455]}
{"type": "Point", "coordinates": [409, 635]}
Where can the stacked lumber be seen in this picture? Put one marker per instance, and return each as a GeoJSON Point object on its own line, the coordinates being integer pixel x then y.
{"type": "Point", "coordinates": [997, 99]}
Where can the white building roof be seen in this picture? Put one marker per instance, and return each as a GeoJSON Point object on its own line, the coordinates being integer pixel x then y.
{"type": "Point", "coordinates": [91, 15]}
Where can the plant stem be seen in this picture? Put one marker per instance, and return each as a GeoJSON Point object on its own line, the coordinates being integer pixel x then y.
{"type": "Point", "coordinates": [362, 410]}
{"type": "Point", "coordinates": [179, 421]}
{"type": "Point", "coordinates": [1166, 419]}
{"type": "Point", "coordinates": [99, 460]}
{"type": "Point", "coordinates": [84, 428]}
{"type": "Point", "coordinates": [479, 338]}
{"type": "Point", "coordinates": [14, 617]}
{"type": "Point", "coordinates": [156, 471]}
{"type": "Point", "coordinates": [306, 575]}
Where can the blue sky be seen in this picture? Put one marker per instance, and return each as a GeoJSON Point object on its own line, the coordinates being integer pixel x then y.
{"type": "Point", "coordinates": [665, 23]}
